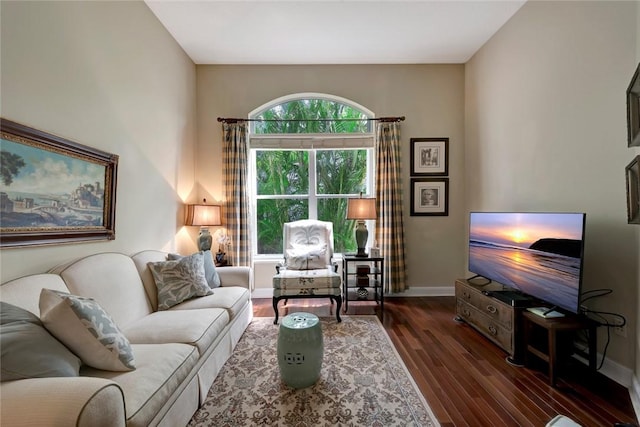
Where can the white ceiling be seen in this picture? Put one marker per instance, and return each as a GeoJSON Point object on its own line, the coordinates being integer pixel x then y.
{"type": "Point", "coordinates": [332, 31]}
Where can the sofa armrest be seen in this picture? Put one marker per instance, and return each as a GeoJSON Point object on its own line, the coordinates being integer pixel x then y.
{"type": "Point", "coordinates": [235, 276]}
{"type": "Point", "coordinates": [76, 401]}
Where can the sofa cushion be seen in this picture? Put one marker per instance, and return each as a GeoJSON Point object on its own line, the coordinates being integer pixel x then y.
{"type": "Point", "coordinates": [161, 370]}
{"type": "Point", "coordinates": [111, 279]}
{"type": "Point", "coordinates": [25, 291]}
{"type": "Point", "coordinates": [195, 327]}
{"type": "Point", "coordinates": [180, 280]}
{"type": "Point", "coordinates": [29, 350]}
{"type": "Point", "coordinates": [83, 326]}
{"type": "Point", "coordinates": [141, 260]}
{"type": "Point", "coordinates": [231, 298]}
{"type": "Point", "coordinates": [210, 272]}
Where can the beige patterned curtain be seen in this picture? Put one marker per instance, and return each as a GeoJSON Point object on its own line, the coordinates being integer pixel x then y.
{"type": "Point", "coordinates": [389, 224]}
{"type": "Point", "coordinates": [235, 160]}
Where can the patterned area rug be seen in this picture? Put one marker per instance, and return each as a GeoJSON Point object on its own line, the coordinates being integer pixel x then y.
{"type": "Point", "coordinates": [363, 382]}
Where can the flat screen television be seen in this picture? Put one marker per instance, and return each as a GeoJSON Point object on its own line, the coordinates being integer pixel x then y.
{"type": "Point", "coordinates": [538, 254]}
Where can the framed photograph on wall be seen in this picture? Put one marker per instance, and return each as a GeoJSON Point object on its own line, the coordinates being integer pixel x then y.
{"type": "Point", "coordinates": [633, 191]}
{"type": "Point", "coordinates": [429, 196]}
{"type": "Point", "coordinates": [633, 110]}
{"type": "Point", "coordinates": [53, 190]}
{"type": "Point", "coordinates": [429, 156]}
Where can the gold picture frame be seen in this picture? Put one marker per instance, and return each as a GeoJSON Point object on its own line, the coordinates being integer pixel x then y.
{"type": "Point", "coordinates": [53, 190]}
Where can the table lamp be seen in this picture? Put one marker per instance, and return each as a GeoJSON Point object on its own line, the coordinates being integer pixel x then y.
{"type": "Point", "coordinates": [361, 209]}
{"type": "Point", "coordinates": [204, 216]}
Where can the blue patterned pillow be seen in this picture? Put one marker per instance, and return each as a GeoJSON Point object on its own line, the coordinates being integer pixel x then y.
{"type": "Point", "coordinates": [87, 330]}
{"type": "Point", "coordinates": [29, 350]}
{"type": "Point", "coordinates": [210, 272]}
{"type": "Point", "coordinates": [180, 280]}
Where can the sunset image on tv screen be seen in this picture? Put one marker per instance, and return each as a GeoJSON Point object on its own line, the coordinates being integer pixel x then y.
{"type": "Point", "coordinates": [537, 253]}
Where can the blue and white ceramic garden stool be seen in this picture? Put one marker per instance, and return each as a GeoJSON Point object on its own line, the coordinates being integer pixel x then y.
{"type": "Point", "coordinates": [300, 349]}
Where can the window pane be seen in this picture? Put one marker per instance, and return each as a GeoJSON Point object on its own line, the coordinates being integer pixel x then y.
{"type": "Point", "coordinates": [272, 214]}
{"type": "Point", "coordinates": [282, 172]}
{"type": "Point", "coordinates": [341, 171]}
{"type": "Point", "coordinates": [335, 210]}
{"type": "Point", "coordinates": [301, 116]}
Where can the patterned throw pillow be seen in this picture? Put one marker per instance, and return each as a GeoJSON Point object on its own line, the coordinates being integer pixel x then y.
{"type": "Point", "coordinates": [180, 280]}
{"type": "Point", "coordinates": [210, 272]}
{"type": "Point", "coordinates": [87, 330]}
{"type": "Point", "coordinates": [29, 350]}
{"type": "Point", "coordinates": [307, 257]}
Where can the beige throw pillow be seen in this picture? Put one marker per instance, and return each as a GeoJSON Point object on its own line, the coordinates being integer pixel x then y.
{"type": "Point", "coordinates": [87, 330]}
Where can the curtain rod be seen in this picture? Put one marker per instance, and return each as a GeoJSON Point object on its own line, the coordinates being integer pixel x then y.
{"type": "Point", "coordinates": [380, 119]}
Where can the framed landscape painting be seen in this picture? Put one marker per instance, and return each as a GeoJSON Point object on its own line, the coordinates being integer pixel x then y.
{"type": "Point", "coordinates": [429, 156]}
{"type": "Point", "coordinates": [53, 190]}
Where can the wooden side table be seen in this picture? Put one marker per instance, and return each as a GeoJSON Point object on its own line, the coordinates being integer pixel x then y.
{"type": "Point", "coordinates": [553, 327]}
{"type": "Point", "coordinates": [373, 280]}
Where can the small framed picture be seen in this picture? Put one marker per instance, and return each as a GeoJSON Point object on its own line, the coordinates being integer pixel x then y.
{"type": "Point", "coordinates": [633, 191]}
{"type": "Point", "coordinates": [429, 196]}
{"type": "Point", "coordinates": [633, 110]}
{"type": "Point", "coordinates": [429, 156]}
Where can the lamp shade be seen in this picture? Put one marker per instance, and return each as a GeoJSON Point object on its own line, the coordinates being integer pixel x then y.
{"type": "Point", "coordinates": [361, 208]}
{"type": "Point", "coordinates": [203, 215]}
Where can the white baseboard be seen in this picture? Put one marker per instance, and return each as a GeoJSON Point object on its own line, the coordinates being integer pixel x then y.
{"type": "Point", "coordinates": [262, 293]}
{"type": "Point", "coordinates": [432, 291]}
{"type": "Point", "coordinates": [615, 371]}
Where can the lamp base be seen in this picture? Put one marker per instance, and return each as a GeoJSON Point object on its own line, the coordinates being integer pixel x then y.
{"type": "Point", "coordinates": [362, 234]}
{"type": "Point", "coordinates": [204, 239]}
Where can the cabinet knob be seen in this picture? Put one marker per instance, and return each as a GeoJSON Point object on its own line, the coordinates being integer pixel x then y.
{"type": "Point", "coordinates": [466, 295]}
{"type": "Point", "coordinates": [491, 309]}
{"type": "Point", "coordinates": [493, 330]}
{"type": "Point", "coordinates": [466, 312]}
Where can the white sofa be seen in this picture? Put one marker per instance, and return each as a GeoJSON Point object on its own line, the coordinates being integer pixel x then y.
{"type": "Point", "coordinates": [178, 352]}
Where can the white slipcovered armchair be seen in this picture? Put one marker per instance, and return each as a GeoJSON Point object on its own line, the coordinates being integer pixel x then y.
{"type": "Point", "coordinates": [308, 270]}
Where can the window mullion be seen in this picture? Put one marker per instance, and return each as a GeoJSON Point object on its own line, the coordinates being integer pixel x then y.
{"type": "Point", "coordinates": [313, 190]}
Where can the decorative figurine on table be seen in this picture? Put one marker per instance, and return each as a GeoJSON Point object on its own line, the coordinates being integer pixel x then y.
{"type": "Point", "coordinates": [224, 242]}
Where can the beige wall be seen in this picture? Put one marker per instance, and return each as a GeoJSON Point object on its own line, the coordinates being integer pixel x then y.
{"type": "Point", "coordinates": [430, 96]}
{"type": "Point", "coordinates": [109, 76]}
{"type": "Point", "coordinates": [546, 131]}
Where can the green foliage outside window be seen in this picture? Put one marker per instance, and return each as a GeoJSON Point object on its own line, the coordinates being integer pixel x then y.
{"type": "Point", "coordinates": [282, 176]}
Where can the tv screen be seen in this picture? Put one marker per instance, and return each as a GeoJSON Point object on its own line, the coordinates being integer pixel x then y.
{"type": "Point", "coordinates": [539, 254]}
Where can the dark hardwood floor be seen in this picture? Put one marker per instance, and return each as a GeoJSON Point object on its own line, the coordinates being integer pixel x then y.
{"type": "Point", "coordinates": [465, 377]}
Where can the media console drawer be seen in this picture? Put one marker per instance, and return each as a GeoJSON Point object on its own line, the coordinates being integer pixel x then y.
{"type": "Point", "coordinates": [496, 310]}
{"type": "Point", "coordinates": [486, 326]}
{"type": "Point", "coordinates": [491, 317]}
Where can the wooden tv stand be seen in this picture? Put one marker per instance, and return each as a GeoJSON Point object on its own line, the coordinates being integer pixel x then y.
{"type": "Point", "coordinates": [498, 319]}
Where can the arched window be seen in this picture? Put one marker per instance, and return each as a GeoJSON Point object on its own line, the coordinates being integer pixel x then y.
{"type": "Point", "coordinates": [309, 154]}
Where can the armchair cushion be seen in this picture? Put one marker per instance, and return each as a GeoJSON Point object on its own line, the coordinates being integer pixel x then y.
{"type": "Point", "coordinates": [310, 238]}
{"type": "Point", "coordinates": [307, 282]}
